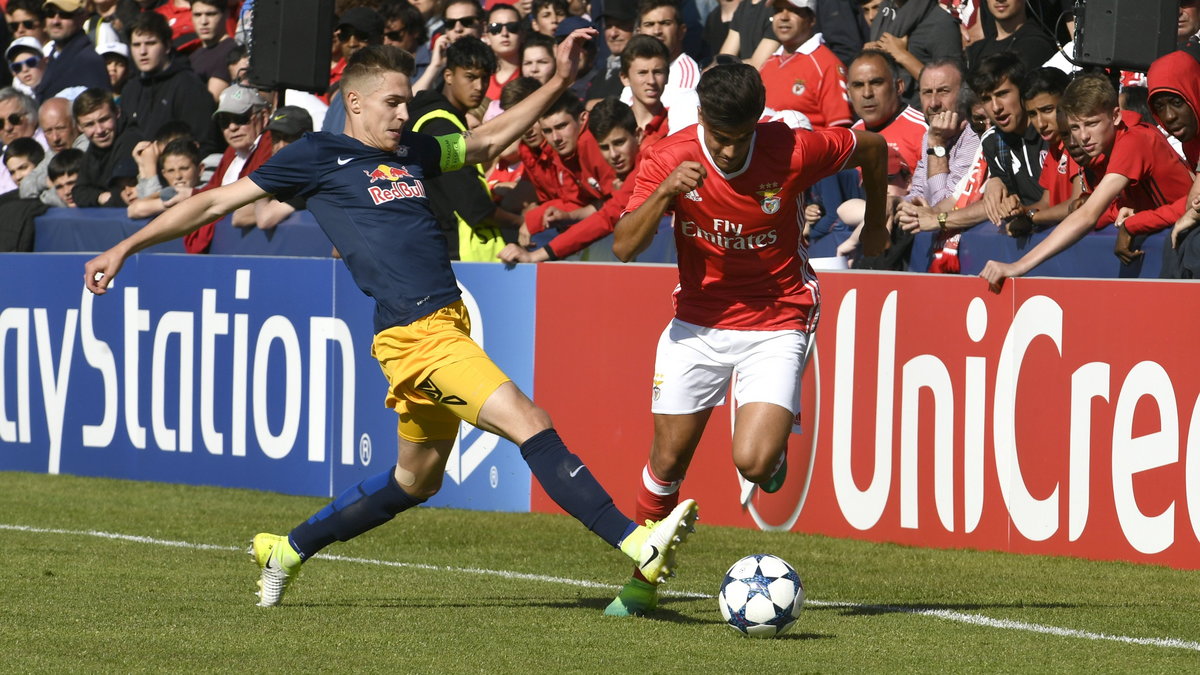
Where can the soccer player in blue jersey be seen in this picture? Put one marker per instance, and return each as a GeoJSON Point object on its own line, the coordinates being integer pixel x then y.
{"type": "Point", "coordinates": [365, 187]}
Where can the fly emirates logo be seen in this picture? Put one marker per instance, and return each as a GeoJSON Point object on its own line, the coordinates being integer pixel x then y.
{"type": "Point", "coordinates": [728, 235]}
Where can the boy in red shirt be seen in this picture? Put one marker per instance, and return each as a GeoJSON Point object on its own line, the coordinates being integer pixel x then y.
{"type": "Point", "coordinates": [615, 127]}
{"type": "Point", "coordinates": [1136, 166]}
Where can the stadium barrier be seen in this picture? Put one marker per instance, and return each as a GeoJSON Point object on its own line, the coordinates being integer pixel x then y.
{"type": "Point", "coordinates": [1057, 417]}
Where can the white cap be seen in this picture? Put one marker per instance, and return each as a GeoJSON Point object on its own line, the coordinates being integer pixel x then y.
{"type": "Point", "coordinates": [30, 43]}
{"type": "Point", "coordinates": [802, 4]}
{"type": "Point", "coordinates": [113, 48]}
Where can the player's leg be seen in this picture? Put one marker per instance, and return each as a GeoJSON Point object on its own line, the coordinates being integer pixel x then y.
{"type": "Point", "coordinates": [417, 476]}
{"type": "Point", "coordinates": [767, 390]}
{"type": "Point", "coordinates": [689, 380]}
{"type": "Point", "coordinates": [468, 384]}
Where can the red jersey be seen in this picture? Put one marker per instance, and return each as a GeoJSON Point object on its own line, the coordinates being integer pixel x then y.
{"type": "Point", "coordinates": [655, 130]}
{"type": "Point", "coordinates": [904, 135]}
{"type": "Point", "coordinates": [811, 80]}
{"type": "Point", "coordinates": [741, 261]}
{"type": "Point", "coordinates": [1058, 170]}
{"type": "Point", "coordinates": [1159, 180]}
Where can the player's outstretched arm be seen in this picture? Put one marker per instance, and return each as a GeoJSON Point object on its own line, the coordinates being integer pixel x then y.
{"type": "Point", "coordinates": [1069, 231]}
{"type": "Point", "coordinates": [489, 139]}
{"type": "Point", "coordinates": [636, 229]}
{"type": "Point", "coordinates": [870, 154]}
{"type": "Point", "coordinates": [200, 208]}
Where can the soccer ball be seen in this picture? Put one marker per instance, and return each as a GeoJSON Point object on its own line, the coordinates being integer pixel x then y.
{"type": "Point", "coordinates": [761, 596]}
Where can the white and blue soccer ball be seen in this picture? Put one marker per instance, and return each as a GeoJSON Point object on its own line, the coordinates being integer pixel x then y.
{"type": "Point", "coordinates": [761, 596]}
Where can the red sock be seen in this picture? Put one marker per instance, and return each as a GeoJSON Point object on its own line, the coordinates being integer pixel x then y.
{"type": "Point", "coordinates": [655, 501]}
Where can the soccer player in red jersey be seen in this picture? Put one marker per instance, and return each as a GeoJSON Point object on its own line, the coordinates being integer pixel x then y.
{"type": "Point", "coordinates": [748, 300]}
{"type": "Point", "coordinates": [1137, 167]}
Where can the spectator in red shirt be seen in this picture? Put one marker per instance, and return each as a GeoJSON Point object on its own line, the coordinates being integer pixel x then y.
{"type": "Point", "coordinates": [644, 70]}
{"type": "Point", "coordinates": [1136, 167]}
{"type": "Point", "coordinates": [803, 74]}
{"type": "Point", "coordinates": [875, 92]}
{"type": "Point", "coordinates": [613, 125]}
{"type": "Point", "coordinates": [504, 30]}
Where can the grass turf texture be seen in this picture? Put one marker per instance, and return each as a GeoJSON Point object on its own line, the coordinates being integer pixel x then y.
{"type": "Point", "coordinates": [84, 603]}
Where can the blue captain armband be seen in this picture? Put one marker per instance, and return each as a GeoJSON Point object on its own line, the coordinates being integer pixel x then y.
{"type": "Point", "coordinates": [454, 152]}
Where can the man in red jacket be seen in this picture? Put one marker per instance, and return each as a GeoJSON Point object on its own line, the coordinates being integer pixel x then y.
{"type": "Point", "coordinates": [242, 117]}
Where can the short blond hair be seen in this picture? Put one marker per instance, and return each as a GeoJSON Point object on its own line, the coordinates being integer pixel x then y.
{"type": "Point", "coordinates": [373, 61]}
{"type": "Point", "coordinates": [1090, 94]}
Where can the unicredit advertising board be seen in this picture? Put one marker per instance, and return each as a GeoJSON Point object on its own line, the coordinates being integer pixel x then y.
{"type": "Point", "coordinates": [1057, 417]}
{"type": "Point", "coordinates": [231, 371]}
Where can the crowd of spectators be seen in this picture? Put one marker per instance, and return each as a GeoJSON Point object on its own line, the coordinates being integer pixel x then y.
{"type": "Point", "coordinates": [136, 104]}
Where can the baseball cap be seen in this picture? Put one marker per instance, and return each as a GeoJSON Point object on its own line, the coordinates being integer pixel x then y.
{"type": "Point", "coordinates": [362, 19]}
{"type": "Point", "coordinates": [799, 4]}
{"type": "Point", "coordinates": [569, 25]}
{"type": "Point", "coordinates": [119, 48]}
{"type": "Point", "coordinates": [620, 10]}
{"type": "Point", "coordinates": [27, 43]}
{"type": "Point", "coordinates": [290, 120]}
{"type": "Point", "coordinates": [239, 100]}
{"type": "Point", "coordinates": [65, 5]}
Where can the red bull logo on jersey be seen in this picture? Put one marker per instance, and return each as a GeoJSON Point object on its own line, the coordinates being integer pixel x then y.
{"type": "Point", "coordinates": [387, 173]}
{"type": "Point", "coordinates": [398, 189]}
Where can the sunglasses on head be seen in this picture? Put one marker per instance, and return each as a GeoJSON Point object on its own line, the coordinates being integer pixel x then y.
{"type": "Point", "coordinates": [55, 12]}
{"type": "Point", "coordinates": [512, 27]}
{"type": "Point", "coordinates": [18, 66]}
{"type": "Point", "coordinates": [14, 119]}
{"type": "Point", "coordinates": [225, 119]}
{"type": "Point", "coordinates": [346, 32]}
{"type": "Point", "coordinates": [27, 24]}
{"type": "Point", "coordinates": [465, 22]}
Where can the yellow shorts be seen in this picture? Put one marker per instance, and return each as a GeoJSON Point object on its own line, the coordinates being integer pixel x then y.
{"type": "Point", "coordinates": [437, 375]}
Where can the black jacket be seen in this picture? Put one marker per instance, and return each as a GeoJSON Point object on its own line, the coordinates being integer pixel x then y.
{"type": "Point", "coordinates": [98, 165]}
{"type": "Point", "coordinates": [76, 65]}
{"type": "Point", "coordinates": [173, 93]}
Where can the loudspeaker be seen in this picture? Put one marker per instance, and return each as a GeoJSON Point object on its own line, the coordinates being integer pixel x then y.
{"type": "Point", "coordinates": [1125, 34]}
{"type": "Point", "coordinates": [290, 49]}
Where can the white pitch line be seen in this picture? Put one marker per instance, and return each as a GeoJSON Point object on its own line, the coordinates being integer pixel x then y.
{"type": "Point", "coordinates": [948, 615]}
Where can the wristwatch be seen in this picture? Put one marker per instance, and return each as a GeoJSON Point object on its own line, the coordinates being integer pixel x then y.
{"type": "Point", "coordinates": [941, 217]}
{"type": "Point", "coordinates": [936, 150]}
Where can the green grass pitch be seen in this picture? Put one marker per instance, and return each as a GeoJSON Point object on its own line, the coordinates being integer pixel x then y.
{"type": "Point", "coordinates": [447, 591]}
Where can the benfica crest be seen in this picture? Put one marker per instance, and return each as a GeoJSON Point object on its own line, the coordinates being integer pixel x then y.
{"type": "Point", "coordinates": [768, 197]}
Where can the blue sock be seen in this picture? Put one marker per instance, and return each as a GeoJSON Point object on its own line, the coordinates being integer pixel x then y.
{"type": "Point", "coordinates": [572, 486]}
{"type": "Point", "coordinates": [362, 507]}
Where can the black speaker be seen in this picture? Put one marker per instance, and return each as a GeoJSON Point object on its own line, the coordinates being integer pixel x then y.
{"type": "Point", "coordinates": [1125, 34]}
{"type": "Point", "coordinates": [289, 44]}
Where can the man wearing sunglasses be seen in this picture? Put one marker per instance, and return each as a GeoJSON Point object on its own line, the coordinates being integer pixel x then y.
{"type": "Point", "coordinates": [73, 58]}
{"type": "Point", "coordinates": [242, 117]}
{"type": "Point", "coordinates": [358, 27]}
{"type": "Point", "coordinates": [18, 119]}
{"type": "Point", "coordinates": [366, 188]}
{"type": "Point", "coordinates": [165, 88]}
{"type": "Point", "coordinates": [461, 18]}
{"type": "Point", "coordinates": [26, 63]}
{"type": "Point", "coordinates": [25, 19]}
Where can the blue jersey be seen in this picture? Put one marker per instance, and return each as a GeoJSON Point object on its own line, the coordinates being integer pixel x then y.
{"type": "Point", "coordinates": [372, 206]}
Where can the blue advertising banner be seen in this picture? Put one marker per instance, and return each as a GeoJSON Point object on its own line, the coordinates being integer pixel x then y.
{"type": "Point", "coordinates": [233, 371]}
